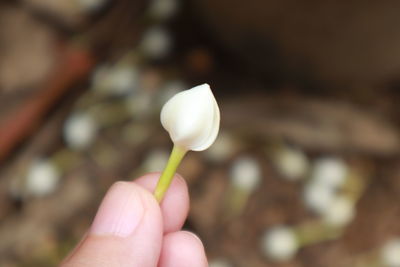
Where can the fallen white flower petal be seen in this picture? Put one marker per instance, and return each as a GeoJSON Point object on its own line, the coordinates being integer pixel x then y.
{"type": "Point", "coordinates": [280, 244]}
{"type": "Point", "coordinates": [340, 212]}
{"type": "Point", "coordinates": [42, 178]}
{"type": "Point", "coordinates": [318, 197]}
{"type": "Point", "coordinates": [291, 163]}
{"type": "Point", "coordinates": [115, 80]}
{"type": "Point", "coordinates": [246, 174]}
{"type": "Point", "coordinates": [391, 253]}
{"type": "Point", "coordinates": [156, 43]}
{"type": "Point", "coordinates": [192, 118]}
{"type": "Point", "coordinates": [330, 171]}
{"type": "Point", "coordinates": [80, 130]}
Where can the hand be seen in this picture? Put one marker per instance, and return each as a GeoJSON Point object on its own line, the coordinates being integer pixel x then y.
{"type": "Point", "coordinates": [132, 229]}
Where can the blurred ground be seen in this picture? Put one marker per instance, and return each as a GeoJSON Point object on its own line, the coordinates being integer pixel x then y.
{"type": "Point", "coordinates": [81, 87]}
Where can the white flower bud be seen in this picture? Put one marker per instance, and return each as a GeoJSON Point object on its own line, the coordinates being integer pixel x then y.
{"type": "Point", "coordinates": [391, 253]}
{"type": "Point", "coordinates": [280, 244]}
{"type": "Point", "coordinates": [246, 174]}
{"type": "Point", "coordinates": [156, 43]}
{"type": "Point", "coordinates": [42, 178]}
{"type": "Point", "coordinates": [318, 197]}
{"type": "Point", "coordinates": [116, 80]}
{"type": "Point", "coordinates": [340, 212]}
{"type": "Point", "coordinates": [80, 131]}
{"type": "Point", "coordinates": [330, 171]}
{"type": "Point", "coordinates": [291, 163]}
{"type": "Point", "coordinates": [192, 118]}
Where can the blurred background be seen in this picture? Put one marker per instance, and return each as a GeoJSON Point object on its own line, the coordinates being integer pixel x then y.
{"type": "Point", "coordinates": [306, 168]}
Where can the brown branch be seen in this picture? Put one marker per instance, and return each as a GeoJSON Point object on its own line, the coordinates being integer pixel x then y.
{"type": "Point", "coordinates": [75, 64]}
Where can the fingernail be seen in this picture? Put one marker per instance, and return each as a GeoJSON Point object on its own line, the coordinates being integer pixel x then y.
{"type": "Point", "coordinates": [120, 212]}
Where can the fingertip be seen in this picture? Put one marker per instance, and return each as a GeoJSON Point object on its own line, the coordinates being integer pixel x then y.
{"type": "Point", "coordinates": [182, 249]}
{"type": "Point", "coordinates": [149, 181]}
{"type": "Point", "coordinates": [175, 205]}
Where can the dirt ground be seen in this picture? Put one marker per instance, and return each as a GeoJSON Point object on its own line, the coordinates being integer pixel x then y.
{"type": "Point", "coordinates": [48, 73]}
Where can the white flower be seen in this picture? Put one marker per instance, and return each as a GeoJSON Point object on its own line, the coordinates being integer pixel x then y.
{"type": "Point", "coordinates": [318, 197]}
{"type": "Point", "coordinates": [330, 171]}
{"type": "Point", "coordinates": [391, 253]}
{"type": "Point", "coordinates": [246, 174]}
{"type": "Point", "coordinates": [116, 80]}
{"type": "Point", "coordinates": [42, 178]}
{"type": "Point", "coordinates": [291, 163]}
{"type": "Point", "coordinates": [80, 130]}
{"type": "Point", "coordinates": [156, 42]}
{"type": "Point", "coordinates": [340, 212]}
{"type": "Point", "coordinates": [192, 118]}
{"type": "Point", "coordinates": [280, 243]}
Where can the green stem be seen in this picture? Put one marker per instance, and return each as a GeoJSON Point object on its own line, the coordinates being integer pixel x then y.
{"type": "Point", "coordinates": [175, 158]}
{"type": "Point", "coordinates": [314, 232]}
{"type": "Point", "coordinates": [236, 202]}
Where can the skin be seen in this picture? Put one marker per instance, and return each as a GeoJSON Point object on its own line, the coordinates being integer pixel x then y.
{"type": "Point", "coordinates": [157, 238]}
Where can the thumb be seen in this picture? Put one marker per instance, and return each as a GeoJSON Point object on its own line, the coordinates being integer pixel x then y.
{"type": "Point", "coordinates": [127, 231]}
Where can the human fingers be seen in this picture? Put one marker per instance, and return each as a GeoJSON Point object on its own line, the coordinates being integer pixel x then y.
{"type": "Point", "coordinates": [127, 231]}
{"type": "Point", "coordinates": [175, 205]}
{"type": "Point", "coordinates": [182, 249]}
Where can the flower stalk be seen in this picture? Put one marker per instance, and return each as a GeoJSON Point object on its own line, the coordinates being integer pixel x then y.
{"type": "Point", "coordinates": [174, 160]}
